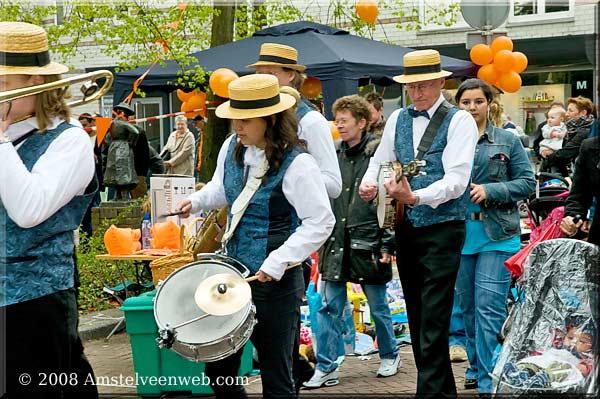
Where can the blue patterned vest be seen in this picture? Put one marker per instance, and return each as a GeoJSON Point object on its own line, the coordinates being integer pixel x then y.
{"type": "Point", "coordinates": [269, 219]}
{"type": "Point", "coordinates": [425, 215]}
{"type": "Point", "coordinates": [38, 261]}
{"type": "Point", "coordinates": [303, 108]}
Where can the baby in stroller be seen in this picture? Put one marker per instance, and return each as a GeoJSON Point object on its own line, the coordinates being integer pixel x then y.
{"type": "Point", "coordinates": [567, 363]}
{"type": "Point", "coordinates": [552, 343]}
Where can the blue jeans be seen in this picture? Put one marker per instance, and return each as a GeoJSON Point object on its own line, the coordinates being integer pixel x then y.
{"type": "Point", "coordinates": [329, 322]}
{"type": "Point", "coordinates": [458, 336]}
{"type": "Point", "coordinates": [482, 288]}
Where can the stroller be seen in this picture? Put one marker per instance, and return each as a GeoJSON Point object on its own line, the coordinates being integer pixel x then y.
{"type": "Point", "coordinates": [552, 343]}
{"type": "Point", "coordinates": [551, 192]}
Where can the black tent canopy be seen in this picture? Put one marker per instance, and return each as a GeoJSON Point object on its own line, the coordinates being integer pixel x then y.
{"type": "Point", "coordinates": [336, 57]}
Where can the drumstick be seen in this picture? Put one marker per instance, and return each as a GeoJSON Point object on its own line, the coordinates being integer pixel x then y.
{"type": "Point", "coordinates": [286, 269]}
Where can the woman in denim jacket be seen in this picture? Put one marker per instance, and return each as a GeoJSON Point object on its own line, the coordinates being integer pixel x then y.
{"type": "Point", "coordinates": [501, 176]}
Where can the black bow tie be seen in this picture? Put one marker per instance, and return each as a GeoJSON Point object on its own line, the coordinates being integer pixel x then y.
{"type": "Point", "coordinates": [414, 113]}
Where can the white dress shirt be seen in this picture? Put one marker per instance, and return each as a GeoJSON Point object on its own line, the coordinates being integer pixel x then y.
{"type": "Point", "coordinates": [314, 129]}
{"type": "Point", "coordinates": [457, 158]}
{"type": "Point", "coordinates": [61, 173]}
{"type": "Point", "coordinates": [304, 190]}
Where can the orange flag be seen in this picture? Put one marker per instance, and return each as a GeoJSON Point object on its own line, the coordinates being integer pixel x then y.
{"type": "Point", "coordinates": [173, 25]}
{"type": "Point", "coordinates": [102, 125]}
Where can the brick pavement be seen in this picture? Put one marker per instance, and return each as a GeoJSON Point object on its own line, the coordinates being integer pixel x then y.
{"type": "Point", "coordinates": [357, 375]}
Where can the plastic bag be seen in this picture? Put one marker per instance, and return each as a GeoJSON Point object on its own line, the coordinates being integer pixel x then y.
{"type": "Point", "coordinates": [165, 235]}
{"type": "Point", "coordinates": [122, 241]}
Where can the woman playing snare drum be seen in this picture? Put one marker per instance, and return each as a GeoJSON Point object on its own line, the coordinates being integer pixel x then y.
{"type": "Point", "coordinates": [287, 219]}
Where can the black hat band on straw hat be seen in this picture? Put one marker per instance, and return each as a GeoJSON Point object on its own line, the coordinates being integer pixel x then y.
{"type": "Point", "coordinates": [25, 60]}
{"type": "Point", "coordinates": [254, 104]}
{"type": "Point", "coordinates": [274, 58]}
{"type": "Point", "coordinates": [421, 69]}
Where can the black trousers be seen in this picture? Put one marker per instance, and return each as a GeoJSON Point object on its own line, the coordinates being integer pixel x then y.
{"type": "Point", "coordinates": [428, 259]}
{"type": "Point", "coordinates": [278, 314]}
{"type": "Point", "coordinates": [43, 352]}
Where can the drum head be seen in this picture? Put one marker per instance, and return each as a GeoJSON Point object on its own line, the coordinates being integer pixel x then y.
{"type": "Point", "coordinates": [174, 304]}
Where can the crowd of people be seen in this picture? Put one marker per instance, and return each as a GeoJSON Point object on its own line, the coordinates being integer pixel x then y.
{"type": "Point", "coordinates": [456, 223]}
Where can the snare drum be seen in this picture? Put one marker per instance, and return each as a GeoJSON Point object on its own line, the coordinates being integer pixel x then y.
{"type": "Point", "coordinates": [210, 338]}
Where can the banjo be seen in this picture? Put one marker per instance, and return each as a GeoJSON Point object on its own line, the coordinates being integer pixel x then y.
{"type": "Point", "coordinates": [387, 214]}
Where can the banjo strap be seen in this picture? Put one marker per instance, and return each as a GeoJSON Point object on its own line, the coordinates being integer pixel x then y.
{"type": "Point", "coordinates": [432, 128]}
{"type": "Point", "coordinates": [425, 144]}
{"type": "Point", "coordinates": [243, 200]}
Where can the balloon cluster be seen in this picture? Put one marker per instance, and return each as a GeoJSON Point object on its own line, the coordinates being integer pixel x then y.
{"type": "Point", "coordinates": [367, 10]}
{"type": "Point", "coordinates": [500, 66]}
{"type": "Point", "coordinates": [192, 100]}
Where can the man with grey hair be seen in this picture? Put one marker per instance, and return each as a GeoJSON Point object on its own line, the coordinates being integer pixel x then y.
{"type": "Point", "coordinates": [431, 235]}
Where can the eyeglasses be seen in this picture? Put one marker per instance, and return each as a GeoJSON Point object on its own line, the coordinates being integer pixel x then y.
{"type": "Point", "coordinates": [341, 122]}
{"type": "Point", "coordinates": [419, 86]}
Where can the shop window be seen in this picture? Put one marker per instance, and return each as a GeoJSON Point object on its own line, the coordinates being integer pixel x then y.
{"type": "Point", "coordinates": [527, 10]}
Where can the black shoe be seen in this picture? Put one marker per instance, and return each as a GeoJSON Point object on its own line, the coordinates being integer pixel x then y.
{"type": "Point", "coordinates": [470, 383]}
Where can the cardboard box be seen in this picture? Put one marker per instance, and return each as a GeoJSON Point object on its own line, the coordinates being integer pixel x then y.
{"type": "Point", "coordinates": [166, 192]}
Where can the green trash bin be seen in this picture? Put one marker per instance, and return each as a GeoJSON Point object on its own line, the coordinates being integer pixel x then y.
{"type": "Point", "coordinates": [158, 370]}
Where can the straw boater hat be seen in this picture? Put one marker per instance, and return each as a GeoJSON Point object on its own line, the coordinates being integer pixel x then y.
{"type": "Point", "coordinates": [421, 65]}
{"type": "Point", "coordinates": [253, 96]}
{"type": "Point", "coordinates": [274, 54]}
{"type": "Point", "coordinates": [24, 51]}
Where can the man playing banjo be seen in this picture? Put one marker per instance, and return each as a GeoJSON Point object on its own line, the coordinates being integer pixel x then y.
{"type": "Point", "coordinates": [430, 238]}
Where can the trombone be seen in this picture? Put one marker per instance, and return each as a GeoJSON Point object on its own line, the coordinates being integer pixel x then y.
{"type": "Point", "coordinates": [89, 89]}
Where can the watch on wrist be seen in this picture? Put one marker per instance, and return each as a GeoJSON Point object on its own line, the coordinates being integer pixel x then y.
{"type": "Point", "coordinates": [417, 200]}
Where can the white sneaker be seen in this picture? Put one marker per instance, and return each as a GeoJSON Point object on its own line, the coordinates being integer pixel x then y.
{"type": "Point", "coordinates": [389, 367]}
{"type": "Point", "coordinates": [321, 378]}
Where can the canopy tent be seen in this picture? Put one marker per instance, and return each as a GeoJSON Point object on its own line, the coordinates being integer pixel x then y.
{"type": "Point", "coordinates": [336, 57]}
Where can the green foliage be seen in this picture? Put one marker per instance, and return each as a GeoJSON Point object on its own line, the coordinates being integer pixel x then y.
{"type": "Point", "coordinates": [134, 33]}
{"type": "Point", "coordinates": [95, 273]}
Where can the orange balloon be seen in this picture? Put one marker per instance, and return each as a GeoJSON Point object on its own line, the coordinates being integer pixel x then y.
{"type": "Point", "coordinates": [504, 61]}
{"type": "Point", "coordinates": [197, 101]}
{"type": "Point", "coordinates": [510, 82]}
{"type": "Point", "coordinates": [520, 61]}
{"type": "Point", "coordinates": [501, 43]}
{"type": "Point", "coordinates": [488, 74]}
{"type": "Point", "coordinates": [335, 134]}
{"type": "Point", "coordinates": [481, 54]}
{"type": "Point", "coordinates": [367, 10]}
{"type": "Point", "coordinates": [219, 81]}
{"type": "Point", "coordinates": [183, 96]}
{"type": "Point", "coordinates": [311, 87]}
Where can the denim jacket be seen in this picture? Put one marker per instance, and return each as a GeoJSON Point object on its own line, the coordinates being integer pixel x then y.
{"type": "Point", "coordinates": [503, 168]}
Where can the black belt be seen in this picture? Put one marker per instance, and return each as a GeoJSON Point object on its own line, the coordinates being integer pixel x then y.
{"type": "Point", "coordinates": [476, 216]}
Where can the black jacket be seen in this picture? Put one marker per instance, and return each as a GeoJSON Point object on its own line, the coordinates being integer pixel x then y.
{"type": "Point", "coordinates": [353, 251]}
{"type": "Point", "coordinates": [586, 185]}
